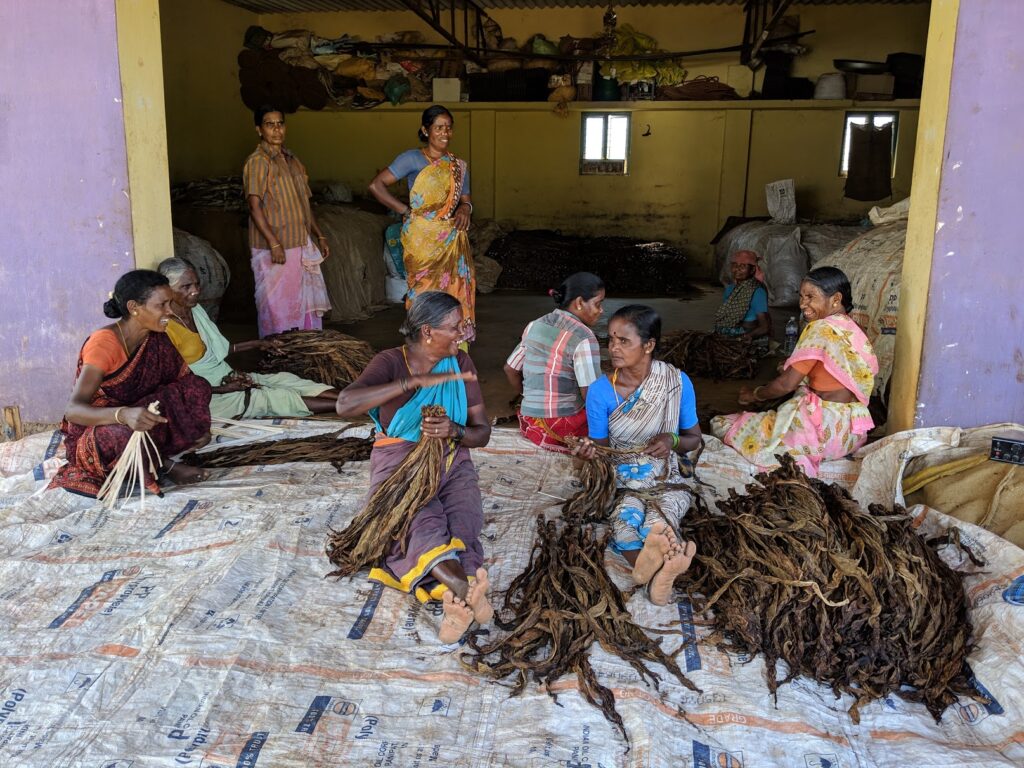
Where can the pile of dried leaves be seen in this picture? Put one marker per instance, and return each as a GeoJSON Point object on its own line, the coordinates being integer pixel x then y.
{"type": "Point", "coordinates": [709, 355]}
{"type": "Point", "coordinates": [326, 356]}
{"type": "Point", "coordinates": [856, 600]}
{"type": "Point", "coordinates": [555, 610]}
{"type": "Point", "coordinates": [327, 447]}
{"type": "Point", "coordinates": [564, 601]}
{"type": "Point", "coordinates": [391, 508]}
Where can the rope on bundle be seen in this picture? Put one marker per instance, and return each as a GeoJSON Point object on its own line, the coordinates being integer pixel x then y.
{"type": "Point", "coordinates": [130, 470]}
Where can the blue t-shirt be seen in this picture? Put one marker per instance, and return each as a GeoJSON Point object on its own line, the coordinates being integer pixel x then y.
{"type": "Point", "coordinates": [758, 302]}
{"type": "Point", "coordinates": [602, 400]}
{"type": "Point", "coordinates": [409, 164]}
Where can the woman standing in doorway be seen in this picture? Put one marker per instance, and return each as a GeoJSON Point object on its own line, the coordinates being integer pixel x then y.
{"type": "Point", "coordinates": [434, 239]}
{"type": "Point", "coordinates": [290, 289]}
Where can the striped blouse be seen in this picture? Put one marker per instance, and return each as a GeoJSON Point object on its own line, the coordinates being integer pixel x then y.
{"type": "Point", "coordinates": [558, 355]}
{"type": "Point", "coordinates": [280, 181]}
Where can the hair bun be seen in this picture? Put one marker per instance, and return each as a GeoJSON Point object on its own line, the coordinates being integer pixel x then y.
{"type": "Point", "coordinates": [555, 294]}
{"type": "Point", "coordinates": [112, 309]}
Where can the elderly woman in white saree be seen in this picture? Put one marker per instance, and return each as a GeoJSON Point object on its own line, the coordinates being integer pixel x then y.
{"type": "Point", "coordinates": [647, 410]}
{"type": "Point", "coordinates": [236, 394]}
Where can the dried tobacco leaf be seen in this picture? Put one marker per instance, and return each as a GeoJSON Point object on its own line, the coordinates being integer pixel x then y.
{"type": "Point", "coordinates": [327, 356]}
{"type": "Point", "coordinates": [327, 447]}
{"type": "Point", "coordinates": [709, 355]}
{"type": "Point", "coordinates": [796, 570]}
{"type": "Point", "coordinates": [391, 508]}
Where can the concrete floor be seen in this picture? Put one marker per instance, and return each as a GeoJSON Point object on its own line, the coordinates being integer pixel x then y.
{"type": "Point", "coordinates": [501, 317]}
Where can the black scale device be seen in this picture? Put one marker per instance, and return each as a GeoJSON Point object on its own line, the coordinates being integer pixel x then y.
{"type": "Point", "coordinates": [1008, 448]}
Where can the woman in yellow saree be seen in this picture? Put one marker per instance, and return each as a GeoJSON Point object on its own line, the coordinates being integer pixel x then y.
{"type": "Point", "coordinates": [434, 239]}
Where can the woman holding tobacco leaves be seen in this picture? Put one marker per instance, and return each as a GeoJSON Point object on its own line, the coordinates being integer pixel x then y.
{"type": "Point", "coordinates": [441, 557]}
{"type": "Point", "coordinates": [646, 411]}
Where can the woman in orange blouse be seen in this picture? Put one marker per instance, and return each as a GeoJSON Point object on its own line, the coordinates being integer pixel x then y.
{"type": "Point", "coordinates": [122, 369]}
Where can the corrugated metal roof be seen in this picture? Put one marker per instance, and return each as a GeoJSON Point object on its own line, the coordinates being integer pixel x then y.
{"type": "Point", "coordinates": [307, 6]}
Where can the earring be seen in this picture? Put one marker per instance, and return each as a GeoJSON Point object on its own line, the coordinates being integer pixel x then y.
{"type": "Point", "coordinates": [134, 313]}
{"type": "Point", "coordinates": [430, 341]}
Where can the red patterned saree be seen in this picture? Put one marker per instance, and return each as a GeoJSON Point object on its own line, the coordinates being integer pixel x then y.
{"type": "Point", "coordinates": [155, 372]}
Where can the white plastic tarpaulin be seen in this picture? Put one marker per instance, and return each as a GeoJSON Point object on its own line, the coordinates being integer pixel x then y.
{"type": "Point", "coordinates": [202, 633]}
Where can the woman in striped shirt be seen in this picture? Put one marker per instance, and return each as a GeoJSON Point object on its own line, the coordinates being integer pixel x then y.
{"type": "Point", "coordinates": [557, 359]}
{"type": "Point", "coordinates": [290, 289]}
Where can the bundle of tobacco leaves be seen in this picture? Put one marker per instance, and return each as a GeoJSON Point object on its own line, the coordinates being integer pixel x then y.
{"type": "Point", "coordinates": [796, 570]}
{"type": "Point", "coordinates": [327, 447]}
{"type": "Point", "coordinates": [709, 355]}
{"type": "Point", "coordinates": [592, 502]}
{"type": "Point", "coordinates": [556, 609]}
{"type": "Point", "coordinates": [391, 508]}
{"type": "Point", "coordinates": [326, 356]}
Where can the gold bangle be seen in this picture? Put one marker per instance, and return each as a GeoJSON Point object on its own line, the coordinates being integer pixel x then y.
{"type": "Point", "coordinates": [276, 246]}
{"type": "Point", "coordinates": [117, 415]}
{"type": "Point", "coordinates": [757, 396]}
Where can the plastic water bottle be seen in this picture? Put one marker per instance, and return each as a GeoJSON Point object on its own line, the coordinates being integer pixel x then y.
{"type": "Point", "coordinates": [792, 332]}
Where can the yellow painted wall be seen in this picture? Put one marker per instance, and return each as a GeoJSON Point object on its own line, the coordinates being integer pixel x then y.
{"type": "Point", "coordinates": [701, 163]}
{"type": "Point", "coordinates": [209, 130]}
{"type": "Point", "coordinates": [806, 145]}
{"type": "Point", "coordinates": [142, 88]}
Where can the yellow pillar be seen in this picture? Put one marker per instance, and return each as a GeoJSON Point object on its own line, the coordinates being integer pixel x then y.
{"type": "Point", "coordinates": [142, 94]}
{"type": "Point", "coordinates": [924, 203]}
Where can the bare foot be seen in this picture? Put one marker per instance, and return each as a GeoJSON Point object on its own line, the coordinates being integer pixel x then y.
{"type": "Point", "coordinates": [477, 598]}
{"type": "Point", "coordinates": [676, 562]}
{"type": "Point", "coordinates": [657, 544]}
{"type": "Point", "coordinates": [457, 618]}
{"type": "Point", "coordinates": [183, 474]}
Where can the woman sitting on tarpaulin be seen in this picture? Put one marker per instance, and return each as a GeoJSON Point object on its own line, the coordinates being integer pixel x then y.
{"type": "Point", "coordinates": [442, 557]}
{"type": "Point", "coordinates": [831, 373]}
{"type": "Point", "coordinates": [236, 395]}
{"type": "Point", "coordinates": [122, 369]}
{"type": "Point", "coordinates": [646, 409]}
{"type": "Point", "coordinates": [743, 313]}
{"type": "Point", "coordinates": [556, 360]}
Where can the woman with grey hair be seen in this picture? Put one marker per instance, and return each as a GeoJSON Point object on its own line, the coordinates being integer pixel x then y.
{"type": "Point", "coordinates": [236, 394]}
{"type": "Point", "coordinates": [441, 556]}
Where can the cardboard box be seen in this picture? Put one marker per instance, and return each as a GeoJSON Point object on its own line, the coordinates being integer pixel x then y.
{"type": "Point", "coordinates": [872, 86]}
{"type": "Point", "coordinates": [449, 89]}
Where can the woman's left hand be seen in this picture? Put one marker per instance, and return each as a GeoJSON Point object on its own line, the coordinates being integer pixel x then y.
{"type": "Point", "coordinates": [462, 217]}
{"type": "Point", "coordinates": [439, 427]}
{"type": "Point", "coordinates": [746, 396]}
{"type": "Point", "coordinates": [660, 446]}
{"type": "Point", "coordinates": [323, 247]}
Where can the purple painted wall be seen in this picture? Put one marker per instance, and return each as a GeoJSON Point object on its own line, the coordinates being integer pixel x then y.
{"type": "Point", "coordinates": [972, 370]}
{"type": "Point", "coordinates": [65, 218]}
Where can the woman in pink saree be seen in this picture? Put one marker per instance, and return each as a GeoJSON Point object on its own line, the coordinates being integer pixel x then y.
{"type": "Point", "coordinates": [832, 371]}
